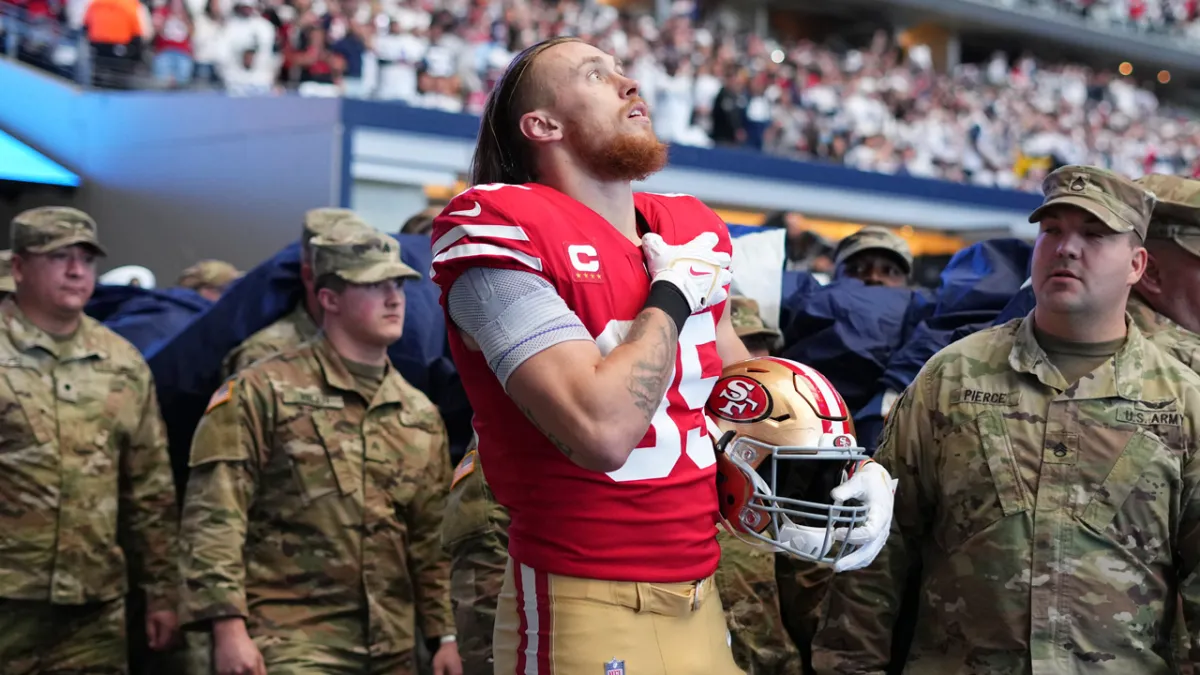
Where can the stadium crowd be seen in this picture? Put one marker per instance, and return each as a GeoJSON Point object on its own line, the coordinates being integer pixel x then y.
{"type": "Point", "coordinates": [878, 107]}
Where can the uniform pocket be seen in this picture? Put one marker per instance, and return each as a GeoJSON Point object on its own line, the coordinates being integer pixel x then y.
{"type": "Point", "coordinates": [1133, 504]}
{"type": "Point", "coordinates": [979, 479]}
{"type": "Point", "coordinates": [25, 415]}
{"type": "Point", "coordinates": [322, 465]}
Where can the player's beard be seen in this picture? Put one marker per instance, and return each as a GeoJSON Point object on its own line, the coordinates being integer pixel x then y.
{"type": "Point", "coordinates": [628, 156]}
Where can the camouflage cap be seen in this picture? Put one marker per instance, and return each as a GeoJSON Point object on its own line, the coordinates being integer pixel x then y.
{"type": "Point", "coordinates": [1177, 214]}
{"type": "Point", "coordinates": [50, 228]}
{"type": "Point", "coordinates": [363, 257]}
{"type": "Point", "coordinates": [320, 222]}
{"type": "Point", "coordinates": [7, 284]}
{"type": "Point", "coordinates": [214, 273]}
{"type": "Point", "coordinates": [874, 237]}
{"type": "Point", "coordinates": [747, 320]}
{"type": "Point", "coordinates": [1117, 201]}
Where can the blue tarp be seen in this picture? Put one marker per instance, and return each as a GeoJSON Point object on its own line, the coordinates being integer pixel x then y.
{"type": "Point", "coordinates": [849, 331]}
{"type": "Point", "coordinates": [144, 316]}
{"type": "Point", "coordinates": [187, 367]}
{"type": "Point", "coordinates": [977, 284]}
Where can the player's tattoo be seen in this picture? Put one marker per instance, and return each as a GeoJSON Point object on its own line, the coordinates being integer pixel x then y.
{"type": "Point", "coordinates": [652, 375]}
{"type": "Point", "coordinates": [562, 447]}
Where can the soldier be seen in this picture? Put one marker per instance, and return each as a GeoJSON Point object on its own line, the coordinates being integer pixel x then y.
{"type": "Point", "coordinates": [7, 285]}
{"type": "Point", "coordinates": [300, 325]}
{"type": "Point", "coordinates": [85, 480]}
{"type": "Point", "coordinates": [875, 256]}
{"type": "Point", "coordinates": [1048, 482]}
{"type": "Point", "coordinates": [759, 340]}
{"type": "Point", "coordinates": [1166, 302]}
{"type": "Point", "coordinates": [318, 479]}
{"type": "Point", "coordinates": [475, 534]}
{"type": "Point", "coordinates": [209, 278]}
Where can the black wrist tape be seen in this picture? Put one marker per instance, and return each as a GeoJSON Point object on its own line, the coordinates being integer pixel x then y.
{"type": "Point", "coordinates": [665, 296]}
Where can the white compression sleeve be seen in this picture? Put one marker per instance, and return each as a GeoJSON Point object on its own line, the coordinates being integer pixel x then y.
{"type": "Point", "coordinates": [512, 315]}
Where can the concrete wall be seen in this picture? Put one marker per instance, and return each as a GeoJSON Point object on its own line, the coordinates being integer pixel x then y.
{"type": "Point", "coordinates": [175, 177]}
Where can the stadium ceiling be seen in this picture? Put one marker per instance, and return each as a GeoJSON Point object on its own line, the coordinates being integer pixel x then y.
{"type": "Point", "coordinates": [986, 15]}
{"type": "Point", "coordinates": [21, 164]}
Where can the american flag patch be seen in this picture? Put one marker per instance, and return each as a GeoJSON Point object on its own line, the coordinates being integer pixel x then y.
{"type": "Point", "coordinates": [464, 468]}
{"type": "Point", "coordinates": [222, 395]}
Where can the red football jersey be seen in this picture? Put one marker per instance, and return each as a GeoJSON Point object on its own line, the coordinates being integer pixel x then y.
{"type": "Point", "coordinates": [654, 519]}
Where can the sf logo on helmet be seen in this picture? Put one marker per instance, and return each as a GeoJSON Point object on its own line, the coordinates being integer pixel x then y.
{"type": "Point", "coordinates": [740, 399]}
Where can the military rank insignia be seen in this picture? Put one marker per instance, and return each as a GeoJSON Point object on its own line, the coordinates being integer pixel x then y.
{"type": "Point", "coordinates": [614, 667]}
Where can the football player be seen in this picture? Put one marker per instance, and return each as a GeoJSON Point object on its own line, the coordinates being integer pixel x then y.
{"type": "Point", "coordinates": [590, 325]}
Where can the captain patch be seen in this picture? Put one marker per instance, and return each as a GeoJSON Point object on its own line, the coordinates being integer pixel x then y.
{"type": "Point", "coordinates": [222, 395]}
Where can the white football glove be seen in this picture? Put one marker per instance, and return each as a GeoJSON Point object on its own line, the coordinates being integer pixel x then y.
{"type": "Point", "coordinates": [874, 487]}
{"type": "Point", "coordinates": [699, 271]}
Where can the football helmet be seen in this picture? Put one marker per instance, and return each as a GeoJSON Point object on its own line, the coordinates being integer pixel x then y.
{"type": "Point", "coordinates": [784, 438]}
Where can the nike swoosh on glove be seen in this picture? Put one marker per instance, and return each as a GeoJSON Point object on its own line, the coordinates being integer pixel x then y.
{"type": "Point", "coordinates": [696, 268]}
{"type": "Point", "coordinates": [874, 487]}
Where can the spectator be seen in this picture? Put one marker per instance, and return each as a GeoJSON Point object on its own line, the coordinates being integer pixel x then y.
{"type": "Point", "coordinates": [246, 30]}
{"type": "Point", "coordinates": [209, 49]}
{"type": "Point", "coordinates": [729, 109]}
{"type": "Point", "coordinates": [173, 28]}
{"type": "Point", "coordinates": [243, 78]}
{"type": "Point", "coordinates": [352, 49]}
{"type": "Point", "coordinates": [115, 31]}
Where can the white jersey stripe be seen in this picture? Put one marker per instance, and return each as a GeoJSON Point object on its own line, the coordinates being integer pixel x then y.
{"type": "Point", "coordinates": [457, 232]}
{"type": "Point", "coordinates": [529, 591]}
{"type": "Point", "coordinates": [481, 250]}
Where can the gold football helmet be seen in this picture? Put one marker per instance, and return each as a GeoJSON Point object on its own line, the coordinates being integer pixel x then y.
{"type": "Point", "coordinates": [770, 415]}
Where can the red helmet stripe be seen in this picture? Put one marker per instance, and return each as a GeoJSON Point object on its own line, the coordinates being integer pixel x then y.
{"type": "Point", "coordinates": [829, 404]}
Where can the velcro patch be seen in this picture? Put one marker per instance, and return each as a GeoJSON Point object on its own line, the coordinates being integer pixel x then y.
{"type": "Point", "coordinates": [981, 397]}
{"type": "Point", "coordinates": [464, 468]}
{"type": "Point", "coordinates": [1142, 416]}
{"type": "Point", "coordinates": [222, 395]}
{"type": "Point", "coordinates": [332, 402]}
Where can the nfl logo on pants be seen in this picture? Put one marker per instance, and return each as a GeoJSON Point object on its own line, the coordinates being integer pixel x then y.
{"type": "Point", "coordinates": [614, 667]}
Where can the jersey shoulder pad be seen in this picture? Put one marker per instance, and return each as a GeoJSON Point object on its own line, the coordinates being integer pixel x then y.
{"type": "Point", "coordinates": [486, 226]}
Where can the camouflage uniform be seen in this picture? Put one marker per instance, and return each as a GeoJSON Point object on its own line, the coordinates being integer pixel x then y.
{"type": "Point", "coordinates": [209, 273]}
{"type": "Point", "coordinates": [1176, 218]}
{"type": "Point", "coordinates": [746, 583]}
{"type": "Point", "coordinates": [297, 327]}
{"type": "Point", "coordinates": [314, 510]}
{"type": "Point", "coordinates": [1180, 343]}
{"type": "Point", "coordinates": [7, 285]}
{"type": "Point", "coordinates": [475, 533]}
{"type": "Point", "coordinates": [1056, 523]}
{"type": "Point", "coordinates": [85, 481]}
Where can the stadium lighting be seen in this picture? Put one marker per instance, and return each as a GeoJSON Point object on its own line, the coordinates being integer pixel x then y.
{"type": "Point", "coordinates": [1164, 76]}
{"type": "Point", "coordinates": [1126, 68]}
